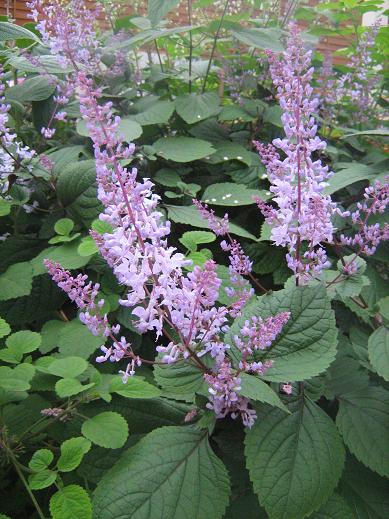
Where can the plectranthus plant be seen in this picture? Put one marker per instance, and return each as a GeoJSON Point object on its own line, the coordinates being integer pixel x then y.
{"type": "Point", "coordinates": [167, 350]}
{"type": "Point", "coordinates": [178, 306]}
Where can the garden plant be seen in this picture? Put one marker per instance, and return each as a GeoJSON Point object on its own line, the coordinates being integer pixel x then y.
{"type": "Point", "coordinates": [194, 296]}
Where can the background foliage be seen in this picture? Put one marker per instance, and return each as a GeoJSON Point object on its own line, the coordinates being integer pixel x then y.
{"type": "Point", "coordinates": [192, 98]}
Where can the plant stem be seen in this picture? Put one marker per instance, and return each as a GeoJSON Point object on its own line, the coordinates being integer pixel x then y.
{"type": "Point", "coordinates": [23, 479]}
{"type": "Point", "coordinates": [214, 46]}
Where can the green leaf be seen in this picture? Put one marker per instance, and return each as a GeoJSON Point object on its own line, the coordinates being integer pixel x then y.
{"type": "Point", "coordinates": [5, 328]}
{"type": "Point", "coordinates": [232, 112]}
{"type": "Point", "coordinates": [76, 190]}
{"type": "Point", "coordinates": [42, 479]}
{"type": "Point", "coordinates": [382, 132]}
{"type": "Point", "coordinates": [70, 386]}
{"type": "Point", "coordinates": [108, 429]}
{"type": "Point", "coordinates": [180, 381]}
{"type": "Point", "coordinates": [231, 194]}
{"type": "Point", "coordinates": [101, 227]}
{"type": "Point", "coordinates": [157, 9]}
{"type": "Point", "coordinates": [23, 342]}
{"type": "Point", "coordinates": [256, 389]}
{"type": "Point", "coordinates": [74, 338]}
{"type": "Point", "coordinates": [307, 343]}
{"type": "Point", "coordinates": [49, 334]}
{"type": "Point", "coordinates": [183, 477]}
{"type": "Point", "coordinates": [71, 502]}
{"type": "Point", "coordinates": [158, 113]}
{"type": "Point", "coordinates": [64, 226]}
{"type": "Point", "coordinates": [351, 173]}
{"type": "Point", "coordinates": [226, 151]}
{"type": "Point", "coordinates": [72, 452]}
{"type": "Point", "coordinates": [135, 387]}
{"type": "Point", "coordinates": [66, 255]}
{"type": "Point", "coordinates": [37, 88]}
{"type": "Point", "coordinates": [335, 508]}
{"type": "Point", "coordinates": [189, 215]}
{"type": "Point", "coordinates": [265, 38]}
{"type": "Point", "coordinates": [16, 281]}
{"type": "Point", "coordinates": [365, 491]}
{"type": "Point", "coordinates": [196, 107]}
{"type": "Point", "coordinates": [87, 247]}
{"type": "Point", "coordinates": [191, 239]}
{"type": "Point", "coordinates": [68, 367]}
{"type": "Point", "coordinates": [40, 460]}
{"type": "Point", "coordinates": [183, 149]}
{"type": "Point", "coordinates": [128, 128]}
{"type": "Point", "coordinates": [363, 419]}
{"type": "Point", "coordinates": [379, 351]}
{"type": "Point", "coordinates": [294, 460]}
{"type": "Point", "coordinates": [11, 31]}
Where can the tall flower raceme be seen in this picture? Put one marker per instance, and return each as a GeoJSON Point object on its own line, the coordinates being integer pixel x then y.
{"type": "Point", "coordinates": [12, 151]}
{"type": "Point", "coordinates": [68, 29]}
{"type": "Point", "coordinates": [302, 221]}
{"type": "Point", "coordinates": [360, 85]}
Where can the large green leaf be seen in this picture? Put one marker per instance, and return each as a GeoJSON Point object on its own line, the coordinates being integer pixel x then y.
{"type": "Point", "coordinates": [196, 107]}
{"type": "Point", "coordinates": [351, 172]}
{"type": "Point", "coordinates": [172, 473]}
{"type": "Point", "coordinates": [128, 128]}
{"type": "Point", "coordinates": [71, 502]}
{"type": "Point", "coordinates": [135, 387]}
{"type": "Point", "coordinates": [108, 429]}
{"type": "Point", "coordinates": [264, 38]}
{"type": "Point", "coordinates": [231, 194]}
{"type": "Point", "coordinates": [180, 381]}
{"type": "Point", "coordinates": [37, 88]}
{"type": "Point", "coordinates": [158, 112]}
{"type": "Point", "coordinates": [379, 351]}
{"type": "Point", "coordinates": [16, 281]}
{"type": "Point", "coordinates": [68, 367]}
{"type": "Point", "coordinates": [189, 215]}
{"type": "Point", "coordinates": [183, 149]}
{"type": "Point", "coordinates": [76, 190]}
{"type": "Point", "coordinates": [11, 31]}
{"type": "Point", "coordinates": [335, 508]}
{"type": "Point", "coordinates": [306, 345]}
{"type": "Point", "coordinates": [294, 460]}
{"type": "Point", "coordinates": [74, 338]}
{"type": "Point", "coordinates": [363, 420]}
{"type": "Point", "coordinates": [66, 254]}
{"type": "Point", "coordinates": [366, 493]}
{"type": "Point", "coordinates": [226, 151]}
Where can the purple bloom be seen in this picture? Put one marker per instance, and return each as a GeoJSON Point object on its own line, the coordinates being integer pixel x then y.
{"type": "Point", "coordinates": [298, 180]}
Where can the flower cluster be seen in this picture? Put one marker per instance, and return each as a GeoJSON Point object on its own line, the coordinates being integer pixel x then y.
{"type": "Point", "coordinates": [12, 152]}
{"type": "Point", "coordinates": [84, 296]}
{"type": "Point", "coordinates": [298, 180]}
{"type": "Point", "coordinates": [240, 264]}
{"type": "Point", "coordinates": [369, 236]}
{"type": "Point", "coordinates": [258, 334]}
